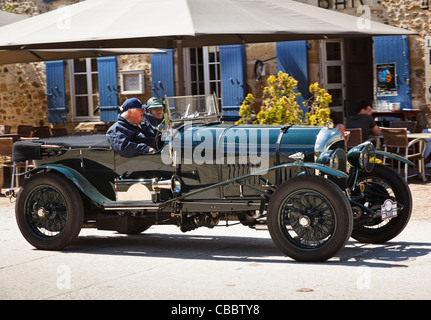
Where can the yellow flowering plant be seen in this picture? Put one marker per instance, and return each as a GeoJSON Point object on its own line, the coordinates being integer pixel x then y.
{"type": "Point", "coordinates": [280, 104]}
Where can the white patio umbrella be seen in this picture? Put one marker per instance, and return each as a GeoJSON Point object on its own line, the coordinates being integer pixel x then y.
{"type": "Point", "coordinates": [162, 23]}
{"type": "Point", "coordinates": [25, 55]}
{"type": "Point", "coordinates": [183, 23]}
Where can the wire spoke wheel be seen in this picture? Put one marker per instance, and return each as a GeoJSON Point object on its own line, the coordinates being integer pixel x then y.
{"type": "Point", "coordinates": [49, 211]}
{"type": "Point", "coordinates": [309, 218]}
{"type": "Point", "coordinates": [46, 211]}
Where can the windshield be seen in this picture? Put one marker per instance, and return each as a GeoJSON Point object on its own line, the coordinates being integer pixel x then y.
{"type": "Point", "coordinates": [190, 108]}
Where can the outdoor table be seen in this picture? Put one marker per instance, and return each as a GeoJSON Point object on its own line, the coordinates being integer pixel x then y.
{"type": "Point", "coordinates": [403, 114]}
{"type": "Point", "coordinates": [423, 135]}
{"type": "Point", "coordinates": [87, 127]}
{"type": "Point", "coordinates": [410, 136]}
{"type": "Point", "coordinates": [14, 136]}
{"type": "Point", "coordinates": [427, 137]}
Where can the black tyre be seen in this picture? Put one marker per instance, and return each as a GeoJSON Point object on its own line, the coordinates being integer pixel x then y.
{"type": "Point", "coordinates": [49, 211]}
{"type": "Point", "coordinates": [309, 218]}
{"type": "Point", "coordinates": [380, 184]}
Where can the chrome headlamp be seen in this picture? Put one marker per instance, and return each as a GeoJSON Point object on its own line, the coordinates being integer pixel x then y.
{"type": "Point", "coordinates": [333, 158]}
{"type": "Point", "coordinates": [362, 156]}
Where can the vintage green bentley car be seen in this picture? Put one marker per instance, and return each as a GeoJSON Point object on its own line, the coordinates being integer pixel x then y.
{"type": "Point", "coordinates": [297, 181]}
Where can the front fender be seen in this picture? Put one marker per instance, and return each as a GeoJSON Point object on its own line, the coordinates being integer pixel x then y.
{"type": "Point", "coordinates": [328, 170]}
{"type": "Point", "coordinates": [394, 156]}
{"type": "Point", "coordinates": [78, 180]}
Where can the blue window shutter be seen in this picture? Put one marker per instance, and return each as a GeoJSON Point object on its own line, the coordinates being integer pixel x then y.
{"type": "Point", "coordinates": [162, 74]}
{"type": "Point", "coordinates": [292, 59]}
{"type": "Point", "coordinates": [233, 80]}
{"type": "Point", "coordinates": [390, 49]}
{"type": "Point", "coordinates": [108, 88]}
{"type": "Point", "coordinates": [56, 93]}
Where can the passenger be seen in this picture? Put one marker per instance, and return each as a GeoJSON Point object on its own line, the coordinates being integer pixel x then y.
{"type": "Point", "coordinates": [131, 135]}
{"type": "Point", "coordinates": [363, 119]}
{"type": "Point", "coordinates": [155, 112]}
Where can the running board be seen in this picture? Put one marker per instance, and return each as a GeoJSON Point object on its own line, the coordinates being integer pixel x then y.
{"type": "Point", "coordinates": [190, 206]}
{"type": "Point", "coordinates": [132, 205]}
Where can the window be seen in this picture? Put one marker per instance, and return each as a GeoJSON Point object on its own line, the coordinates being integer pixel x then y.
{"type": "Point", "coordinates": [202, 71]}
{"type": "Point", "coordinates": [84, 89]}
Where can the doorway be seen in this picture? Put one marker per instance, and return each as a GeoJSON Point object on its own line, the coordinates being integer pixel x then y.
{"type": "Point", "coordinates": [359, 72]}
{"type": "Point", "coordinates": [347, 72]}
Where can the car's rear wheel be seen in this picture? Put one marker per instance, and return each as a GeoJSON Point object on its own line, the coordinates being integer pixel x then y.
{"type": "Point", "coordinates": [49, 211]}
{"type": "Point", "coordinates": [309, 218]}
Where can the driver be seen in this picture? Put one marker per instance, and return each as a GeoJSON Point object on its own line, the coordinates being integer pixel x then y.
{"type": "Point", "coordinates": [131, 135]}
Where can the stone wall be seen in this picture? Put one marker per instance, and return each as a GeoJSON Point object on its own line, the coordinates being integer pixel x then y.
{"type": "Point", "coordinates": [135, 62]}
{"type": "Point", "coordinates": [23, 85]}
{"type": "Point", "coordinates": [22, 94]}
{"type": "Point", "coordinates": [266, 52]}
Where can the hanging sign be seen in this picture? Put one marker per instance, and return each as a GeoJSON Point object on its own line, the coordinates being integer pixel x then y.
{"type": "Point", "coordinates": [386, 80]}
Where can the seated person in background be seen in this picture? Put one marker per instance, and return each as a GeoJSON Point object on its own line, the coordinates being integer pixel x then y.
{"type": "Point", "coordinates": [337, 121]}
{"type": "Point", "coordinates": [155, 112]}
{"type": "Point", "coordinates": [131, 135]}
{"type": "Point", "coordinates": [363, 119]}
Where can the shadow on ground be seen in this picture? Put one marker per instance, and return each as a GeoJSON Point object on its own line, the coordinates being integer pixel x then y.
{"type": "Point", "coordinates": [236, 248]}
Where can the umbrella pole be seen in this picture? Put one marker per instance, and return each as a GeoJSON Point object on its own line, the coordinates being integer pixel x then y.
{"type": "Point", "coordinates": [180, 67]}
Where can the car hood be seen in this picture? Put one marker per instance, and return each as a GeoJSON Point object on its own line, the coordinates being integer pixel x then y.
{"type": "Point", "coordinates": [240, 139]}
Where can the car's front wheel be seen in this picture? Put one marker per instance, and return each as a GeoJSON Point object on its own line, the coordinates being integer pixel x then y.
{"type": "Point", "coordinates": [379, 185]}
{"type": "Point", "coordinates": [309, 218]}
{"type": "Point", "coordinates": [49, 211]}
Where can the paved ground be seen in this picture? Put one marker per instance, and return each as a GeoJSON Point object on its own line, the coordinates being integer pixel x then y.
{"type": "Point", "coordinates": [219, 264]}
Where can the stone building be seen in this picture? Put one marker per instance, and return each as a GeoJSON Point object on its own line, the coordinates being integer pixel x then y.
{"type": "Point", "coordinates": [347, 68]}
{"type": "Point", "coordinates": [407, 53]}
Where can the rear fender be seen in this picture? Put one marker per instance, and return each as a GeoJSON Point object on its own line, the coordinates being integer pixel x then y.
{"type": "Point", "coordinates": [78, 180]}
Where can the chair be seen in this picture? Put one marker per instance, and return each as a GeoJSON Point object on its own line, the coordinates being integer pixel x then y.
{"type": "Point", "coordinates": [355, 137]}
{"type": "Point", "coordinates": [346, 137]}
{"type": "Point", "coordinates": [24, 130]}
{"type": "Point", "coordinates": [409, 125]}
{"type": "Point", "coordinates": [427, 152]}
{"type": "Point", "coordinates": [395, 140]}
{"type": "Point", "coordinates": [6, 146]}
{"type": "Point", "coordinates": [4, 129]}
{"type": "Point", "coordinates": [59, 132]}
{"type": "Point", "coordinates": [41, 132]}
